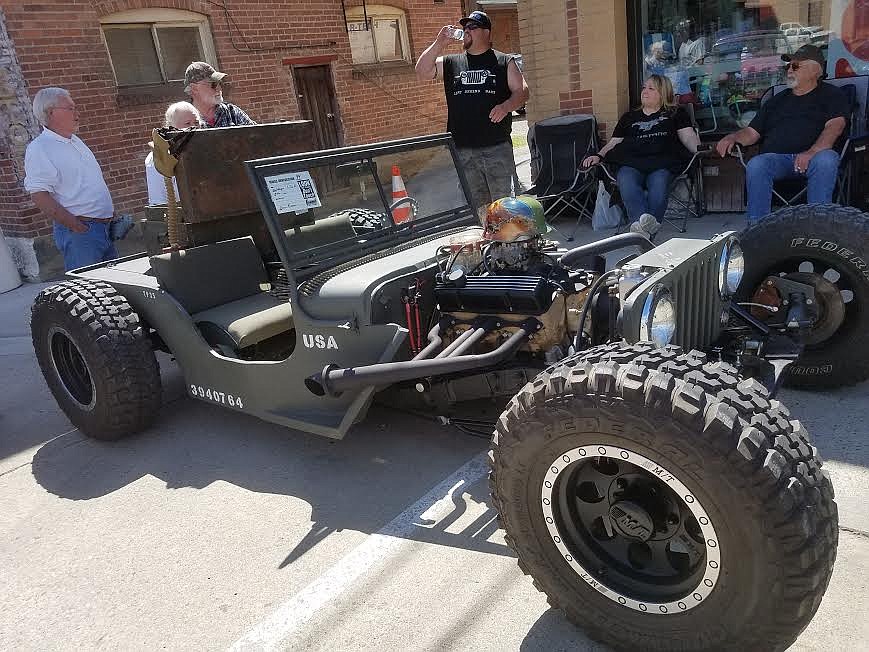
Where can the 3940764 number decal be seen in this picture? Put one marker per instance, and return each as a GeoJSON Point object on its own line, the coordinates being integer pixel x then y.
{"type": "Point", "coordinates": [222, 398]}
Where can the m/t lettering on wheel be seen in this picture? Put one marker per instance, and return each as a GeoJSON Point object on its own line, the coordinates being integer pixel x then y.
{"type": "Point", "coordinates": [661, 473]}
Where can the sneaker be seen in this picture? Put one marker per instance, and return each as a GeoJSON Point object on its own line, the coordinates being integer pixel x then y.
{"type": "Point", "coordinates": [646, 225]}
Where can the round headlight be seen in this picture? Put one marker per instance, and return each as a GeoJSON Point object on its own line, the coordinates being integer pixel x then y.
{"type": "Point", "coordinates": [731, 268]}
{"type": "Point", "coordinates": [658, 321]}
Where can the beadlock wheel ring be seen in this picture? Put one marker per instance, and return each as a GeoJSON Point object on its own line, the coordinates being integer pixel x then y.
{"type": "Point", "coordinates": [562, 536]}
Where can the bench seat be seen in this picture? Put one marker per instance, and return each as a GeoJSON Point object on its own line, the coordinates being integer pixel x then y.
{"type": "Point", "coordinates": [222, 286]}
{"type": "Point", "coordinates": [246, 321]}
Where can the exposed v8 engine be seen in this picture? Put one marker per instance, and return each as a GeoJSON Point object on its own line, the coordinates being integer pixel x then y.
{"type": "Point", "coordinates": [510, 281]}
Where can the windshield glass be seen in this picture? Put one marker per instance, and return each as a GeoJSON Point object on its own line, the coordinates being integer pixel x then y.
{"type": "Point", "coordinates": [331, 200]}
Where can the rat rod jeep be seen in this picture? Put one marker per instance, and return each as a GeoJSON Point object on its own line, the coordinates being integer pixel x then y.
{"type": "Point", "coordinates": [643, 473]}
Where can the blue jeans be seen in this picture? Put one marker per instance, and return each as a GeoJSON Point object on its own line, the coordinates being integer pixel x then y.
{"type": "Point", "coordinates": [80, 249]}
{"type": "Point", "coordinates": [763, 169]}
{"type": "Point", "coordinates": [644, 192]}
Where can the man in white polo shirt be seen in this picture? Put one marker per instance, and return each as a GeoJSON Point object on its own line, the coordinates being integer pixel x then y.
{"type": "Point", "coordinates": [66, 183]}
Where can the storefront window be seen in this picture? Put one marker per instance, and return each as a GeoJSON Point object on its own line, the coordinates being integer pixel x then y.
{"type": "Point", "coordinates": [721, 55]}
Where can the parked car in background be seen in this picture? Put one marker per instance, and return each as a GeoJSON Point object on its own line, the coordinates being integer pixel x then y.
{"type": "Point", "coordinates": [798, 35]}
{"type": "Point", "coordinates": [747, 53]}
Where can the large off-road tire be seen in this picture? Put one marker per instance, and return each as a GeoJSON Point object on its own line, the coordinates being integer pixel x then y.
{"type": "Point", "coordinates": [96, 358]}
{"type": "Point", "coordinates": [828, 247]}
{"type": "Point", "coordinates": [363, 220]}
{"type": "Point", "coordinates": [663, 503]}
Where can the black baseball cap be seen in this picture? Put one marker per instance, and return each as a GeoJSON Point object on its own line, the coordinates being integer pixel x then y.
{"type": "Point", "coordinates": [477, 17]}
{"type": "Point", "coordinates": [807, 53]}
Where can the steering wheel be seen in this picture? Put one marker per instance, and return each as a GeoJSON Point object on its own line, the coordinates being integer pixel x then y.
{"type": "Point", "coordinates": [414, 206]}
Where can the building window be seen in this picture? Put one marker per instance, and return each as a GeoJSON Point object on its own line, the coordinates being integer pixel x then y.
{"type": "Point", "coordinates": [722, 57]}
{"type": "Point", "coordinates": [377, 35]}
{"type": "Point", "coordinates": [155, 46]}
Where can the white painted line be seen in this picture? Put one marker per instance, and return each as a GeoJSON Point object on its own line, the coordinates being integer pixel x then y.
{"type": "Point", "coordinates": [438, 503]}
{"type": "Point", "coordinates": [28, 454]}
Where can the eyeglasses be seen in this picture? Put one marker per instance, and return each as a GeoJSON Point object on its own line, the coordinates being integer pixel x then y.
{"type": "Point", "coordinates": [793, 65]}
{"type": "Point", "coordinates": [215, 85]}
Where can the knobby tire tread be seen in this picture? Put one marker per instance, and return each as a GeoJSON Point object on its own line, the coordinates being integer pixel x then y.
{"type": "Point", "coordinates": [117, 350]}
{"type": "Point", "coordinates": [753, 435]}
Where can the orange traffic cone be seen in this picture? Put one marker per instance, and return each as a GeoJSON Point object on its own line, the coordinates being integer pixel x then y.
{"type": "Point", "coordinates": [400, 213]}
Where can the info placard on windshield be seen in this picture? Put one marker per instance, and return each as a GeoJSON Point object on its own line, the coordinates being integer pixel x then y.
{"type": "Point", "coordinates": [292, 192]}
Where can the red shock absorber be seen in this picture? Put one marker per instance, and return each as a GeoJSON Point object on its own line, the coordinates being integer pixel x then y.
{"type": "Point", "coordinates": [416, 297]}
{"type": "Point", "coordinates": [410, 325]}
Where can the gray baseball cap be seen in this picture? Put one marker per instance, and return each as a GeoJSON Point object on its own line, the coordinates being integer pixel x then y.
{"type": "Point", "coordinates": [200, 71]}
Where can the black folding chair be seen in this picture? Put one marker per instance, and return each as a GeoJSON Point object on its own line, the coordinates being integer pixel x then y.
{"type": "Point", "coordinates": [558, 146]}
{"type": "Point", "coordinates": [685, 192]}
{"type": "Point", "coordinates": [850, 147]}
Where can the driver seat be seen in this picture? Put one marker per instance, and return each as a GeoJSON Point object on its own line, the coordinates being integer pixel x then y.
{"type": "Point", "coordinates": [223, 286]}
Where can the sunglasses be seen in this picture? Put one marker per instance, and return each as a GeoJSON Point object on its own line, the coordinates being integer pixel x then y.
{"type": "Point", "coordinates": [793, 65]}
{"type": "Point", "coordinates": [470, 27]}
{"type": "Point", "coordinates": [215, 85]}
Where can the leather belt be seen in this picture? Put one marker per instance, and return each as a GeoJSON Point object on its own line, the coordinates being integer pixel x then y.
{"type": "Point", "coordinates": [95, 219]}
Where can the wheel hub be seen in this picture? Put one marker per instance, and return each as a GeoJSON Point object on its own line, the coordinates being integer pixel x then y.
{"type": "Point", "coordinates": [630, 529]}
{"type": "Point", "coordinates": [70, 367]}
{"type": "Point", "coordinates": [831, 307]}
{"type": "Point", "coordinates": [632, 521]}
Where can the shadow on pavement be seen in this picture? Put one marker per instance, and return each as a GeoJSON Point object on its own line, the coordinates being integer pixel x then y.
{"type": "Point", "coordinates": [359, 483]}
{"type": "Point", "coordinates": [554, 633]}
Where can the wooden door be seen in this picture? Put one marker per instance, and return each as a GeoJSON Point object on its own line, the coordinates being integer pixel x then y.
{"type": "Point", "coordinates": [317, 103]}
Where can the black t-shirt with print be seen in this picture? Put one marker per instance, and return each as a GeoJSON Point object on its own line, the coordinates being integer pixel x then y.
{"type": "Point", "coordinates": [474, 84]}
{"type": "Point", "coordinates": [650, 142]}
{"type": "Point", "coordinates": [790, 124]}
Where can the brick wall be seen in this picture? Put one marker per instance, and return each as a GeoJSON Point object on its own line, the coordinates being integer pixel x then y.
{"type": "Point", "coordinates": [59, 43]}
{"type": "Point", "coordinates": [543, 35]}
{"type": "Point", "coordinates": [603, 64]}
{"type": "Point", "coordinates": [575, 58]}
{"type": "Point", "coordinates": [505, 29]}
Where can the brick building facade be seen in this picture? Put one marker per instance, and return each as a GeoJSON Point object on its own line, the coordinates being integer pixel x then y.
{"type": "Point", "coordinates": [259, 44]}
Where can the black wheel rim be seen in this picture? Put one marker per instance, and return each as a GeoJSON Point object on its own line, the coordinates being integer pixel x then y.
{"type": "Point", "coordinates": [631, 529]}
{"type": "Point", "coordinates": [72, 371]}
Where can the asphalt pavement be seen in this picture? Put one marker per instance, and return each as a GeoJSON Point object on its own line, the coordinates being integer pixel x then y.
{"type": "Point", "coordinates": [213, 530]}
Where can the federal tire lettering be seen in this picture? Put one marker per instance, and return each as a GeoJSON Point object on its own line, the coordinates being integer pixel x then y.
{"type": "Point", "coordinates": [810, 240]}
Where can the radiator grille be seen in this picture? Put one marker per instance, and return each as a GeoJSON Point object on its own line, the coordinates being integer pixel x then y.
{"type": "Point", "coordinates": [698, 301]}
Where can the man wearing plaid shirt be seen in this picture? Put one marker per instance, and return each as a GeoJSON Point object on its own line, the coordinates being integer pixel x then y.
{"type": "Point", "coordinates": [203, 84]}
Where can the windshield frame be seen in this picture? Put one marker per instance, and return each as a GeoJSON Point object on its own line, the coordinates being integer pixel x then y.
{"type": "Point", "coordinates": [300, 265]}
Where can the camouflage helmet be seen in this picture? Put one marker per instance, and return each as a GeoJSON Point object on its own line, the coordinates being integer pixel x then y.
{"type": "Point", "coordinates": [514, 218]}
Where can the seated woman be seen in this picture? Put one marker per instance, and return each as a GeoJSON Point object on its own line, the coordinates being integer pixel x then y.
{"type": "Point", "coordinates": [181, 115]}
{"type": "Point", "coordinates": [649, 145]}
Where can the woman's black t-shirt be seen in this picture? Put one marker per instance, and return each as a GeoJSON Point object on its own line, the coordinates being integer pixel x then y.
{"type": "Point", "coordinates": [650, 141]}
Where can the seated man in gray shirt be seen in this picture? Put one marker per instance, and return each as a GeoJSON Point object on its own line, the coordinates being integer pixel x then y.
{"type": "Point", "coordinates": [798, 129]}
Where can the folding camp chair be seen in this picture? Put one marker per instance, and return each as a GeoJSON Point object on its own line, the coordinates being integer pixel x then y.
{"type": "Point", "coordinates": [788, 192]}
{"type": "Point", "coordinates": [558, 146]}
{"type": "Point", "coordinates": [685, 192]}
